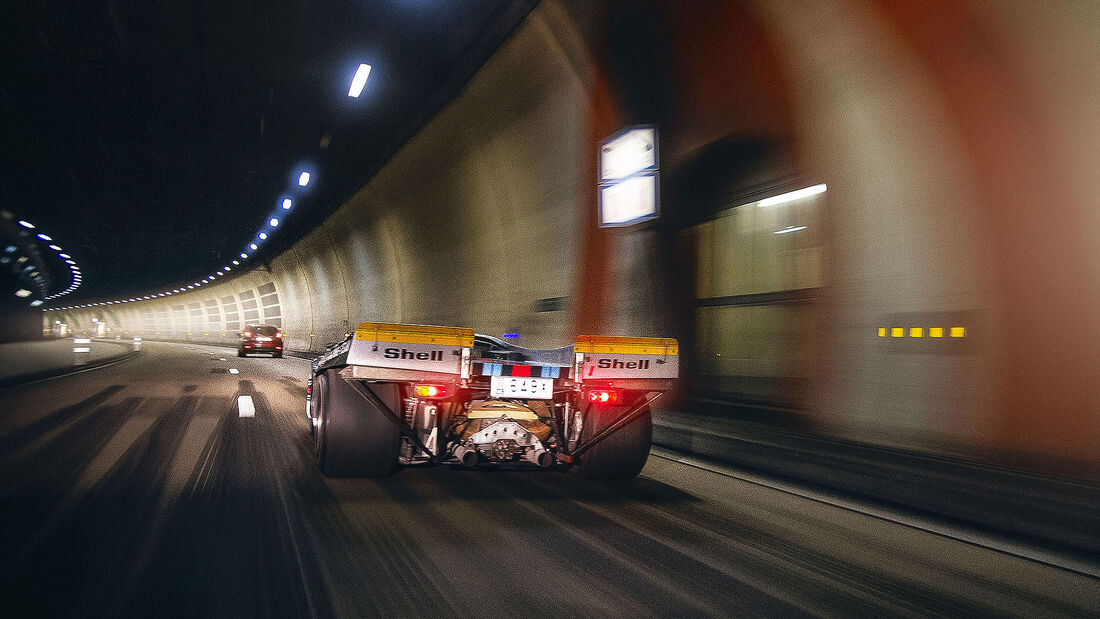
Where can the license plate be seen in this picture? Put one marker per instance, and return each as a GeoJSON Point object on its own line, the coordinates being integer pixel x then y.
{"type": "Point", "coordinates": [263, 339]}
{"type": "Point", "coordinates": [523, 388]}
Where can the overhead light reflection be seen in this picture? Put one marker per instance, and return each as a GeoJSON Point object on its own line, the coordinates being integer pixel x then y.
{"type": "Point", "coordinates": [793, 195]}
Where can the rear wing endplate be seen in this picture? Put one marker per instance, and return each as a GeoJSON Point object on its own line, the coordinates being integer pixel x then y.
{"type": "Point", "coordinates": [418, 348]}
{"type": "Point", "coordinates": [605, 357]}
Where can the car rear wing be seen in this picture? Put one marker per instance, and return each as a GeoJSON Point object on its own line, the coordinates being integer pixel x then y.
{"type": "Point", "coordinates": [388, 351]}
{"type": "Point", "coordinates": [628, 362]}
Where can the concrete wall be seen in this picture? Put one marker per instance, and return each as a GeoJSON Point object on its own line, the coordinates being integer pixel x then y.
{"type": "Point", "coordinates": [958, 141]}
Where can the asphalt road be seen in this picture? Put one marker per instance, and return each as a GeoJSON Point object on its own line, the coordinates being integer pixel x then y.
{"type": "Point", "coordinates": [137, 490]}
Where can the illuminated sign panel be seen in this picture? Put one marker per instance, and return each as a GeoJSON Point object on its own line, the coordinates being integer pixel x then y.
{"type": "Point", "coordinates": [629, 176]}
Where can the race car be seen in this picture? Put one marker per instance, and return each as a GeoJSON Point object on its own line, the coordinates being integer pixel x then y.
{"type": "Point", "coordinates": [393, 395]}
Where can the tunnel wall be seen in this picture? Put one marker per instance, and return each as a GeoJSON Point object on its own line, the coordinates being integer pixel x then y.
{"type": "Point", "coordinates": [951, 135]}
{"type": "Point", "coordinates": [958, 143]}
{"type": "Point", "coordinates": [470, 224]}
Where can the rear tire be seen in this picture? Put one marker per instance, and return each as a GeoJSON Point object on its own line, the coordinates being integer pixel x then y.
{"type": "Point", "coordinates": [278, 355]}
{"type": "Point", "coordinates": [622, 454]}
{"type": "Point", "coordinates": [240, 352]}
{"type": "Point", "coordinates": [354, 438]}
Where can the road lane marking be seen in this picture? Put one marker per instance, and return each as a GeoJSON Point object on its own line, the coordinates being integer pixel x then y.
{"type": "Point", "coordinates": [245, 406]}
{"type": "Point", "coordinates": [221, 358]}
{"type": "Point", "coordinates": [234, 371]}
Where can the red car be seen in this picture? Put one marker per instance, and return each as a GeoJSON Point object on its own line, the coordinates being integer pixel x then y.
{"type": "Point", "coordinates": [262, 339]}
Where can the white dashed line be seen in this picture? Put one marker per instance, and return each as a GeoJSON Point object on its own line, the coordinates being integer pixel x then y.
{"type": "Point", "coordinates": [221, 358]}
{"type": "Point", "coordinates": [234, 371]}
{"type": "Point", "coordinates": [245, 407]}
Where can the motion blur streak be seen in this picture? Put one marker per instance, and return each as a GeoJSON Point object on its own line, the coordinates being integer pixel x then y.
{"type": "Point", "coordinates": [923, 333]}
{"type": "Point", "coordinates": [128, 493]}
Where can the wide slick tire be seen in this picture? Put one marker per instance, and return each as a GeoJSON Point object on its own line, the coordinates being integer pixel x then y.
{"type": "Point", "coordinates": [620, 455]}
{"type": "Point", "coordinates": [353, 438]}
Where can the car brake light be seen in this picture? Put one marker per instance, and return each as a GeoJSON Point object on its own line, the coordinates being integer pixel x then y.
{"type": "Point", "coordinates": [248, 334]}
{"type": "Point", "coordinates": [279, 334]}
{"type": "Point", "coordinates": [309, 389]}
{"type": "Point", "coordinates": [431, 391]}
{"type": "Point", "coordinates": [604, 396]}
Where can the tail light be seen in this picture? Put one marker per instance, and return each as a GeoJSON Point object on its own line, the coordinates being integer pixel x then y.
{"type": "Point", "coordinates": [431, 391]}
{"type": "Point", "coordinates": [604, 396]}
{"type": "Point", "coordinates": [248, 334]}
{"type": "Point", "coordinates": [279, 334]}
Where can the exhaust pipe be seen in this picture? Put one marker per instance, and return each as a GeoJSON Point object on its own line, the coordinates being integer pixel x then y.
{"type": "Point", "coordinates": [467, 456]}
{"type": "Point", "coordinates": [540, 457]}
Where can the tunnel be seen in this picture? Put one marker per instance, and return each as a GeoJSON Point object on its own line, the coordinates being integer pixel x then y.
{"type": "Point", "coordinates": [871, 240]}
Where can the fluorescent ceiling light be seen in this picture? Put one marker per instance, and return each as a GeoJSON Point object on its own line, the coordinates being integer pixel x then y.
{"type": "Point", "coordinates": [359, 81]}
{"type": "Point", "coordinates": [303, 180]}
{"type": "Point", "coordinates": [253, 246]}
{"type": "Point", "coordinates": [55, 248]}
{"type": "Point", "coordinates": [263, 235]}
{"type": "Point", "coordinates": [287, 204]}
{"type": "Point", "coordinates": [274, 222]}
{"type": "Point", "coordinates": [26, 224]}
{"type": "Point", "coordinates": [22, 292]}
{"type": "Point", "coordinates": [793, 195]}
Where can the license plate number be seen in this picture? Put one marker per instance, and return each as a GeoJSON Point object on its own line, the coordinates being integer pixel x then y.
{"type": "Point", "coordinates": [523, 388]}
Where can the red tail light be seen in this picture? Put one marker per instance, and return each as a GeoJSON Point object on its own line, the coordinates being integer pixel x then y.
{"type": "Point", "coordinates": [309, 390]}
{"type": "Point", "coordinates": [279, 334]}
{"type": "Point", "coordinates": [431, 391]}
{"type": "Point", "coordinates": [248, 334]}
{"type": "Point", "coordinates": [604, 396]}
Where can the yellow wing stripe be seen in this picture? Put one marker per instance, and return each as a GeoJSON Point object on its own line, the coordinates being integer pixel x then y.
{"type": "Point", "coordinates": [414, 334]}
{"type": "Point", "coordinates": [607, 344]}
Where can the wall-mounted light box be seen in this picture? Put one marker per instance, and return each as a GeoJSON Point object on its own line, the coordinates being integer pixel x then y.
{"type": "Point", "coordinates": [629, 176]}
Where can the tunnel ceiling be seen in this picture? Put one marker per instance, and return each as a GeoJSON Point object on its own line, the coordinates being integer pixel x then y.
{"type": "Point", "coordinates": [153, 139]}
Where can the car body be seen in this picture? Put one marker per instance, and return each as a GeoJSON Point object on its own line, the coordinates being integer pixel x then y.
{"type": "Point", "coordinates": [260, 339]}
{"type": "Point", "coordinates": [393, 395]}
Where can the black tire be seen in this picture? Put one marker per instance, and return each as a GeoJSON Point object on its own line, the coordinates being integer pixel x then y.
{"type": "Point", "coordinates": [240, 352]}
{"type": "Point", "coordinates": [623, 453]}
{"type": "Point", "coordinates": [354, 438]}
{"type": "Point", "coordinates": [278, 355]}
